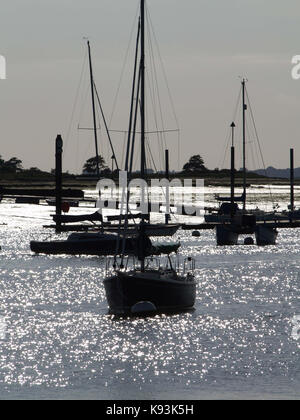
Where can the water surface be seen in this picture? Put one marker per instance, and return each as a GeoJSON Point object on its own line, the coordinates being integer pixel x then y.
{"type": "Point", "coordinates": [60, 341]}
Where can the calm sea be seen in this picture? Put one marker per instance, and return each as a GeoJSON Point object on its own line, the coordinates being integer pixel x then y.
{"type": "Point", "coordinates": [58, 342]}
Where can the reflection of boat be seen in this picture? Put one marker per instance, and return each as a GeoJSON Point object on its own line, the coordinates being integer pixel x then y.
{"type": "Point", "coordinates": [147, 288]}
{"type": "Point", "coordinates": [98, 244]}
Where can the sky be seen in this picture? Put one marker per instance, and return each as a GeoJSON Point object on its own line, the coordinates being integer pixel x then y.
{"type": "Point", "coordinates": [205, 45]}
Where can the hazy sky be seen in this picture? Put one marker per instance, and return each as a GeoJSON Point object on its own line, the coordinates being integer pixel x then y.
{"type": "Point", "coordinates": [205, 44]}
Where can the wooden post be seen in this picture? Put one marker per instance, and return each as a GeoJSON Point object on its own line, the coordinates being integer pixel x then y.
{"type": "Point", "coordinates": [292, 204]}
{"type": "Point", "coordinates": [232, 168]}
{"type": "Point", "coordinates": [58, 180]}
{"type": "Point", "coordinates": [167, 215]}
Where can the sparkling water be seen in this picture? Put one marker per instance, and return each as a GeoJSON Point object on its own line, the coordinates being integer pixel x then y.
{"type": "Point", "coordinates": [58, 341]}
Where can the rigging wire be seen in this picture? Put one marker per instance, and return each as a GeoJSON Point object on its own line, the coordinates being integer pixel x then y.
{"type": "Point", "coordinates": [133, 103]}
{"type": "Point", "coordinates": [152, 31]}
{"type": "Point", "coordinates": [106, 127]}
{"type": "Point", "coordinates": [228, 137]}
{"type": "Point", "coordinates": [123, 68]}
{"type": "Point", "coordinates": [83, 69]}
{"type": "Point", "coordinates": [123, 149]}
{"type": "Point", "coordinates": [156, 95]}
{"type": "Point", "coordinates": [83, 104]}
{"type": "Point", "coordinates": [99, 128]}
{"type": "Point", "coordinates": [258, 141]}
{"type": "Point", "coordinates": [152, 97]}
{"type": "Point", "coordinates": [151, 155]}
{"type": "Point", "coordinates": [77, 150]}
{"type": "Point", "coordinates": [163, 68]}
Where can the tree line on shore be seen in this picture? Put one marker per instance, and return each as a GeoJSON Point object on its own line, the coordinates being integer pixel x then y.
{"type": "Point", "coordinates": [13, 168]}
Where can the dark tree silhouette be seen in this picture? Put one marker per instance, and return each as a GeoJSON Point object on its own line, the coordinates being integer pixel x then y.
{"type": "Point", "coordinates": [196, 163]}
{"type": "Point", "coordinates": [12, 165]}
{"type": "Point", "coordinates": [90, 166]}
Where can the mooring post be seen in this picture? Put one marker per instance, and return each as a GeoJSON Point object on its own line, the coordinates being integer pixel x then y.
{"type": "Point", "coordinates": [58, 180]}
{"type": "Point", "coordinates": [232, 169]}
{"type": "Point", "coordinates": [292, 204]}
{"type": "Point", "coordinates": [167, 215]}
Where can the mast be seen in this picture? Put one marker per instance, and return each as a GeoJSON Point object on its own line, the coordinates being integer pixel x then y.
{"type": "Point", "coordinates": [142, 89]}
{"type": "Point", "coordinates": [94, 111]}
{"type": "Point", "coordinates": [132, 98]}
{"type": "Point", "coordinates": [244, 145]}
{"type": "Point", "coordinates": [135, 120]}
{"type": "Point", "coordinates": [142, 68]}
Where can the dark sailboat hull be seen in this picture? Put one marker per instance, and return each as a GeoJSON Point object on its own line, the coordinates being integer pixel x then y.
{"type": "Point", "coordinates": [124, 291]}
{"type": "Point", "coordinates": [265, 235]}
{"type": "Point", "coordinates": [226, 235]}
{"type": "Point", "coordinates": [86, 244]}
{"type": "Point", "coordinates": [98, 244]}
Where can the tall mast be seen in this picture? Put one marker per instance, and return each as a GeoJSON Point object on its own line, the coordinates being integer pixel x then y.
{"type": "Point", "coordinates": [142, 89]}
{"type": "Point", "coordinates": [94, 111]}
{"type": "Point", "coordinates": [132, 100]}
{"type": "Point", "coordinates": [244, 146]}
{"type": "Point", "coordinates": [142, 68]}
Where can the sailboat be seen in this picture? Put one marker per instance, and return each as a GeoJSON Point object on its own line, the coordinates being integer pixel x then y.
{"type": "Point", "coordinates": [100, 244]}
{"type": "Point", "coordinates": [104, 241]}
{"type": "Point", "coordinates": [146, 288]}
{"type": "Point", "coordinates": [153, 229]}
{"type": "Point", "coordinates": [231, 221]}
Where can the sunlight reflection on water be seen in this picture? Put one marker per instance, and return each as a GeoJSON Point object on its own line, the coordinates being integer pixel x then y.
{"type": "Point", "coordinates": [59, 335]}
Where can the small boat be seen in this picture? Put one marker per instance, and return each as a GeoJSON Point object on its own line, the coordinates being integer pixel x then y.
{"type": "Point", "coordinates": [27, 200]}
{"type": "Point", "coordinates": [100, 244]}
{"type": "Point", "coordinates": [163, 290]}
{"type": "Point", "coordinates": [80, 244]}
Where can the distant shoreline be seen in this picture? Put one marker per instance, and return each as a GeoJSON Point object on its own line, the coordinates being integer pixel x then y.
{"type": "Point", "coordinates": [91, 183]}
